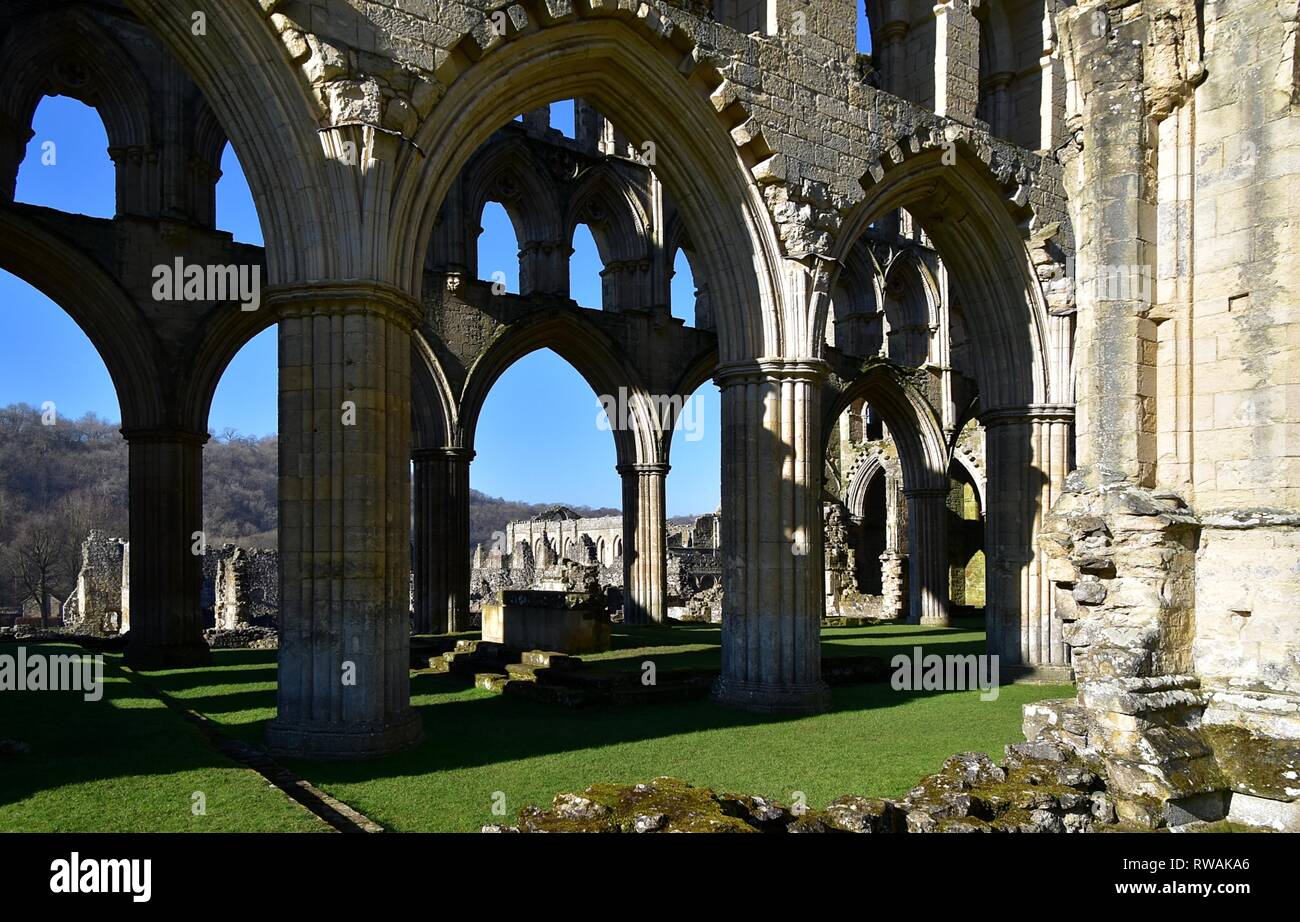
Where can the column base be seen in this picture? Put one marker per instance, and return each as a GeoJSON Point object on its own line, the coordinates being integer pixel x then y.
{"type": "Point", "coordinates": [772, 699]}
{"type": "Point", "coordinates": [308, 740]}
{"type": "Point", "coordinates": [943, 620]}
{"type": "Point", "coordinates": [172, 656]}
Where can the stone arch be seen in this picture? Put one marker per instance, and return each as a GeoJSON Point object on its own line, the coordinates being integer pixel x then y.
{"type": "Point", "coordinates": [208, 143]}
{"type": "Point", "coordinates": [119, 331]}
{"type": "Point", "coordinates": [591, 354]}
{"type": "Point", "coordinates": [698, 371]}
{"type": "Point", "coordinates": [916, 430]}
{"type": "Point", "coordinates": [979, 230]}
{"type": "Point", "coordinates": [855, 304]}
{"type": "Point", "coordinates": [605, 202]}
{"type": "Point", "coordinates": [870, 465]}
{"type": "Point", "coordinates": [678, 239]}
{"type": "Point", "coordinates": [968, 463]}
{"type": "Point", "coordinates": [600, 552]}
{"type": "Point", "coordinates": [618, 546]}
{"type": "Point", "coordinates": [433, 406]}
{"type": "Point", "coordinates": [222, 337]}
{"type": "Point", "coordinates": [637, 71]}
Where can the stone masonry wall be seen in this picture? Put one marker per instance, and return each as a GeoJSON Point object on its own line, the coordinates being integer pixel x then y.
{"type": "Point", "coordinates": [96, 605]}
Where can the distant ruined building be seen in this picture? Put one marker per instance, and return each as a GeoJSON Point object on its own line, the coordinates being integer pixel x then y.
{"type": "Point", "coordinates": [538, 544]}
{"type": "Point", "coordinates": [1024, 278]}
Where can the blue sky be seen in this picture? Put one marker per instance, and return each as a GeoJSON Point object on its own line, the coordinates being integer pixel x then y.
{"type": "Point", "coordinates": [538, 439]}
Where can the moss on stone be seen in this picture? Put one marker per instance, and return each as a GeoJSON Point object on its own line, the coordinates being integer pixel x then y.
{"type": "Point", "coordinates": [1253, 764]}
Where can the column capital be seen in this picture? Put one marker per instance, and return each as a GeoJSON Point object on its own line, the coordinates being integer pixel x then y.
{"type": "Point", "coordinates": [346, 296]}
{"type": "Point", "coordinates": [762, 370]}
{"type": "Point", "coordinates": [1000, 80]}
{"type": "Point", "coordinates": [894, 30]}
{"type": "Point", "coordinates": [926, 492]}
{"type": "Point", "coordinates": [447, 453]}
{"type": "Point", "coordinates": [1034, 413]}
{"type": "Point", "coordinates": [143, 434]}
{"type": "Point", "coordinates": [644, 467]}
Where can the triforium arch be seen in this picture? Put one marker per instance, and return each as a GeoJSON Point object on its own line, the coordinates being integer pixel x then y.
{"type": "Point", "coordinates": [610, 207]}
{"type": "Point", "coordinates": [506, 173]}
{"type": "Point", "coordinates": [66, 52]}
{"type": "Point", "coordinates": [910, 303]}
{"type": "Point", "coordinates": [979, 226]}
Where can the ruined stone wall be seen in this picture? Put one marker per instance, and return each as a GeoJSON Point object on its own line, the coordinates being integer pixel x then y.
{"type": "Point", "coordinates": [1242, 436]}
{"type": "Point", "coordinates": [821, 127]}
{"type": "Point", "coordinates": [1237, 227]}
{"type": "Point", "coordinates": [247, 587]}
{"type": "Point", "coordinates": [96, 605]}
{"type": "Point", "coordinates": [1174, 548]}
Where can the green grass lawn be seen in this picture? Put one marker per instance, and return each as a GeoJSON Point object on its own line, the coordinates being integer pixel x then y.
{"type": "Point", "coordinates": [875, 741]}
{"type": "Point", "coordinates": [125, 762]}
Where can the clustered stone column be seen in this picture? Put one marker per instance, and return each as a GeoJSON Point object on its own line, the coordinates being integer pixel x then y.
{"type": "Point", "coordinates": [1029, 456]}
{"type": "Point", "coordinates": [645, 577]}
{"type": "Point", "coordinates": [441, 561]}
{"type": "Point", "coordinates": [997, 93]}
{"type": "Point", "coordinates": [345, 430]}
{"type": "Point", "coordinates": [927, 527]}
{"type": "Point", "coordinates": [892, 57]}
{"type": "Point", "coordinates": [893, 560]}
{"type": "Point", "coordinates": [165, 575]}
{"type": "Point", "coordinates": [771, 525]}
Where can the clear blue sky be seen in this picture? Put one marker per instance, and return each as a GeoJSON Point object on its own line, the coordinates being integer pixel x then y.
{"type": "Point", "coordinates": [538, 439]}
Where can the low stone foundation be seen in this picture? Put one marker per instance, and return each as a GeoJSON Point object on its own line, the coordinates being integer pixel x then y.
{"type": "Point", "coordinates": [532, 619]}
{"type": "Point", "coordinates": [1039, 787]}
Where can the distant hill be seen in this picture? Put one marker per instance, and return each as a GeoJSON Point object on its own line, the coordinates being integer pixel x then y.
{"type": "Point", "coordinates": [59, 481]}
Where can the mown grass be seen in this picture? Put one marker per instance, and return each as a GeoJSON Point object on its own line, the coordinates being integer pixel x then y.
{"type": "Point", "coordinates": [125, 762]}
{"type": "Point", "coordinates": [479, 745]}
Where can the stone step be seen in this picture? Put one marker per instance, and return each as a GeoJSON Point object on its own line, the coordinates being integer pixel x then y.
{"type": "Point", "coordinates": [688, 689]}
{"type": "Point", "coordinates": [472, 662]}
{"type": "Point", "coordinates": [484, 647]}
{"type": "Point", "coordinates": [550, 660]}
{"type": "Point", "coordinates": [551, 694]}
{"type": "Point", "coordinates": [492, 681]}
{"type": "Point", "coordinates": [523, 671]}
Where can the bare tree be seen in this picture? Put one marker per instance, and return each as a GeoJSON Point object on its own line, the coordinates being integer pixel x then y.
{"type": "Point", "coordinates": [39, 557]}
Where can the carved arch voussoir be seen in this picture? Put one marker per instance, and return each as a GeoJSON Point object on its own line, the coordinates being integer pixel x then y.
{"type": "Point", "coordinates": [399, 100]}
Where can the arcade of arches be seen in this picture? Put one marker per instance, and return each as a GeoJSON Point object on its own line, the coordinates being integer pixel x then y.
{"type": "Point", "coordinates": [933, 399]}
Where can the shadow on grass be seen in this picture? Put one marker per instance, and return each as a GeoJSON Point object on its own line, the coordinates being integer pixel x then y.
{"type": "Point", "coordinates": [128, 737]}
{"type": "Point", "coordinates": [464, 727]}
